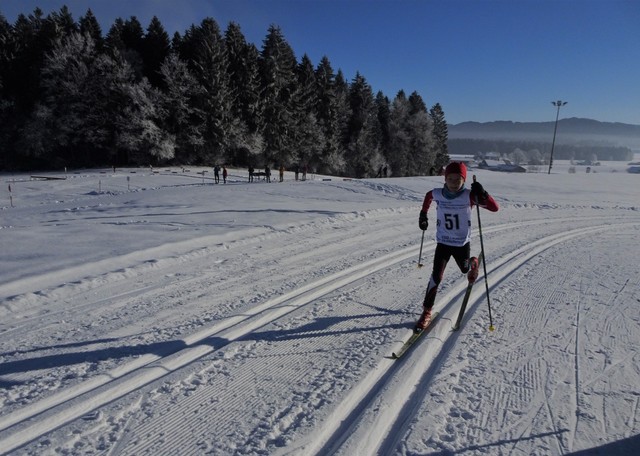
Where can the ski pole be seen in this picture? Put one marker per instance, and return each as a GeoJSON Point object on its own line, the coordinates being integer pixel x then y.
{"type": "Point", "coordinates": [484, 263]}
{"type": "Point", "coordinates": [420, 256]}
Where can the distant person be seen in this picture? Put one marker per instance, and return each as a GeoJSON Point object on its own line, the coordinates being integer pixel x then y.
{"type": "Point", "coordinates": [250, 173]}
{"type": "Point", "coordinates": [216, 174]}
{"type": "Point", "coordinates": [224, 174]}
{"type": "Point", "coordinates": [297, 171]}
{"type": "Point", "coordinates": [267, 173]}
{"type": "Point", "coordinates": [281, 173]}
{"type": "Point", "coordinates": [453, 229]}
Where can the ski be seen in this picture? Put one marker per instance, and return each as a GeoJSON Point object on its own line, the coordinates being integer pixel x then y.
{"type": "Point", "coordinates": [414, 337]}
{"type": "Point", "coordinates": [465, 300]}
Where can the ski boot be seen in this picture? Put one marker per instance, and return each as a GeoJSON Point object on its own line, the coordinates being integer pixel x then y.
{"type": "Point", "coordinates": [474, 267]}
{"type": "Point", "coordinates": [424, 320]}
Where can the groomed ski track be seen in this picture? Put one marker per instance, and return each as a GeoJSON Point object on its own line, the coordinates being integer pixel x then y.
{"type": "Point", "coordinates": [368, 418]}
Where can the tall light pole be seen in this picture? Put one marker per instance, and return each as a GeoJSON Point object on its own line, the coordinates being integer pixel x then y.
{"type": "Point", "coordinates": [558, 104]}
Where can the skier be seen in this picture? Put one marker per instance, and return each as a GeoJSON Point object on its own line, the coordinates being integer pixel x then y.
{"type": "Point", "coordinates": [453, 229]}
{"type": "Point", "coordinates": [224, 174]}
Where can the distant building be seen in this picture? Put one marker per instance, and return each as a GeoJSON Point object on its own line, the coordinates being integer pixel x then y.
{"type": "Point", "coordinates": [504, 166]}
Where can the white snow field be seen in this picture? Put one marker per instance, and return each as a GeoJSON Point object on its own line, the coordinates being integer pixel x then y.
{"type": "Point", "coordinates": [152, 312]}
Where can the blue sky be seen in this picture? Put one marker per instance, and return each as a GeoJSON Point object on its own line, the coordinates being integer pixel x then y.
{"type": "Point", "coordinates": [482, 60]}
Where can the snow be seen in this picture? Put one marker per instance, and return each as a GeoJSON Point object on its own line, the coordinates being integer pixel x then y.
{"type": "Point", "coordinates": [154, 312]}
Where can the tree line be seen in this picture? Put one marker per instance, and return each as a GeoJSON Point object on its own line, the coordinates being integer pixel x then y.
{"type": "Point", "coordinates": [73, 97]}
{"type": "Point", "coordinates": [540, 151]}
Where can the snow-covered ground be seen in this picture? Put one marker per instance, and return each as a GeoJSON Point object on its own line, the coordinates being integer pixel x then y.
{"type": "Point", "coordinates": [157, 313]}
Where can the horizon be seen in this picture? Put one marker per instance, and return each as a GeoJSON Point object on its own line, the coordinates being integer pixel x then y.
{"type": "Point", "coordinates": [543, 121]}
{"type": "Point", "coordinates": [481, 61]}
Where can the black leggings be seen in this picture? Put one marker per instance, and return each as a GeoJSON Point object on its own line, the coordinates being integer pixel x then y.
{"type": "Point", "coordinates": [440, 260]}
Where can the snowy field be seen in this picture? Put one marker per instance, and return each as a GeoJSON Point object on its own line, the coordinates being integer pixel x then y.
{"type": "Point", "coordinates": [155, 313]}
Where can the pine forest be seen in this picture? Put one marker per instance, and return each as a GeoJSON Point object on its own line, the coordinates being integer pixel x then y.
{"type": "Point", "coordinates": [73, 97]}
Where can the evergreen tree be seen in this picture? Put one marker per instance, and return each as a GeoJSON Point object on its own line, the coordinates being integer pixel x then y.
{"type": "Point", "coordinates": [68, 95]}
{"type": "Point", "coordinates": [89, 25]}
{"type": "Point", "coordinates": [383, 107]}
{"type": "Point", "coordinates": [343, 112]}
{"type": "Point", "coordinates": [128, 112]}
{"type": "Point", "coordinates": [417, 104]}
{"type": "Point", "coordinates": [58, 25]}
{"type": "Point", "coordinates": [28, 49]}
{"type": "Point", "coordinates": [307, 85]}
{"type": "Point", "coordinates": [93, 111]}
{"type": "Point", "coordinates": [420, 128]}
{"type": "Point", "coordinates": [132, 35]}
{"type": "Point", "coordinates": [362, 147]}
{"type": "Point", "coordinates": [244, 77]}
{"type": "Point", "coordinates": [440, 135]}
{"type": "Point", "coordinates": [6, 49]}
{"type": "Point", "coordinates": [33, 37]}
{"type": "Point", "coordinates": [126, 40]}
{"type": "Point", "coordinates": [278, 70]}
{"type": "Point", "coordinates": [139, 135]}
{"type": "Point", "coordinates": [399, 151]}
{"type": "Point", "coordinates": [113, 41]}
{"type": "Point", "coordinates": [176, 42]}
{"type": "Point", "coordinates": [411, 136]}
{"type": "Point", "coordinates": [6, 60]}
{"type": "Point", "coordinates": [182, 119]}
{"type": "Point", "coordinates": [245, 139]}
{"type": "Point", "coordinates": [155, 49]}
{"type": "Point", "coordinates": [204, 49]}
{"type": "Point", "coordinates": [59, 131]}
{"type": "Point", "coordinates": [308, 136]}
{"type": "Point", "coordinates": [331, 159]}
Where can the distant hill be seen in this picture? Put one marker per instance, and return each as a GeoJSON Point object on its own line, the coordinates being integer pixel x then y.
{"type": "Point", "coordinates": [570, 131]}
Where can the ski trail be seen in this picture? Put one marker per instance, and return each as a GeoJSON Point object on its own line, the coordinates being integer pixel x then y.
{"type": "Point", "coordinates": [602, 326]}
{"type": "Point", "coordinates": [371, 433]}
{"type": "Point", "coordinates": [155, 366]}
{"type": "Point", "coordinates": [114, 384]}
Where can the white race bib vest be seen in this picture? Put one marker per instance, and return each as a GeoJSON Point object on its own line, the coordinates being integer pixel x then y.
{"type": "Point", "coordinates": [454, 218]}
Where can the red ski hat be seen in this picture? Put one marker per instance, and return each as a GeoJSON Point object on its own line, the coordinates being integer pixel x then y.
{"type": "Point", "coordinates": [457, 168]}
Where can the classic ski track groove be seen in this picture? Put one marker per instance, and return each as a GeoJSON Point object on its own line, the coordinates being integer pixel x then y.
{"type": "Point", "coordinates": [146, 270]}
{"type": "Point", "coordinates": [379, 438]}
{"type": "Point", "coordinates": [131, 376]}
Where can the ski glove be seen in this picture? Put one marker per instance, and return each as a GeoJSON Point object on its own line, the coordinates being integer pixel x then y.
{"type": "Point", "coordinates": [423, 223]}
{"type": "Point", "coordinates": [479, 192]}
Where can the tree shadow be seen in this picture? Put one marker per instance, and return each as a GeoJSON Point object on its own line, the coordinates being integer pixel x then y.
{"type": "Point", "coordinates": [69, 345]}
{"type": "Point", "coordinates": [320, 327]}
{"type": "Point", "coordinates": [161, 349]}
